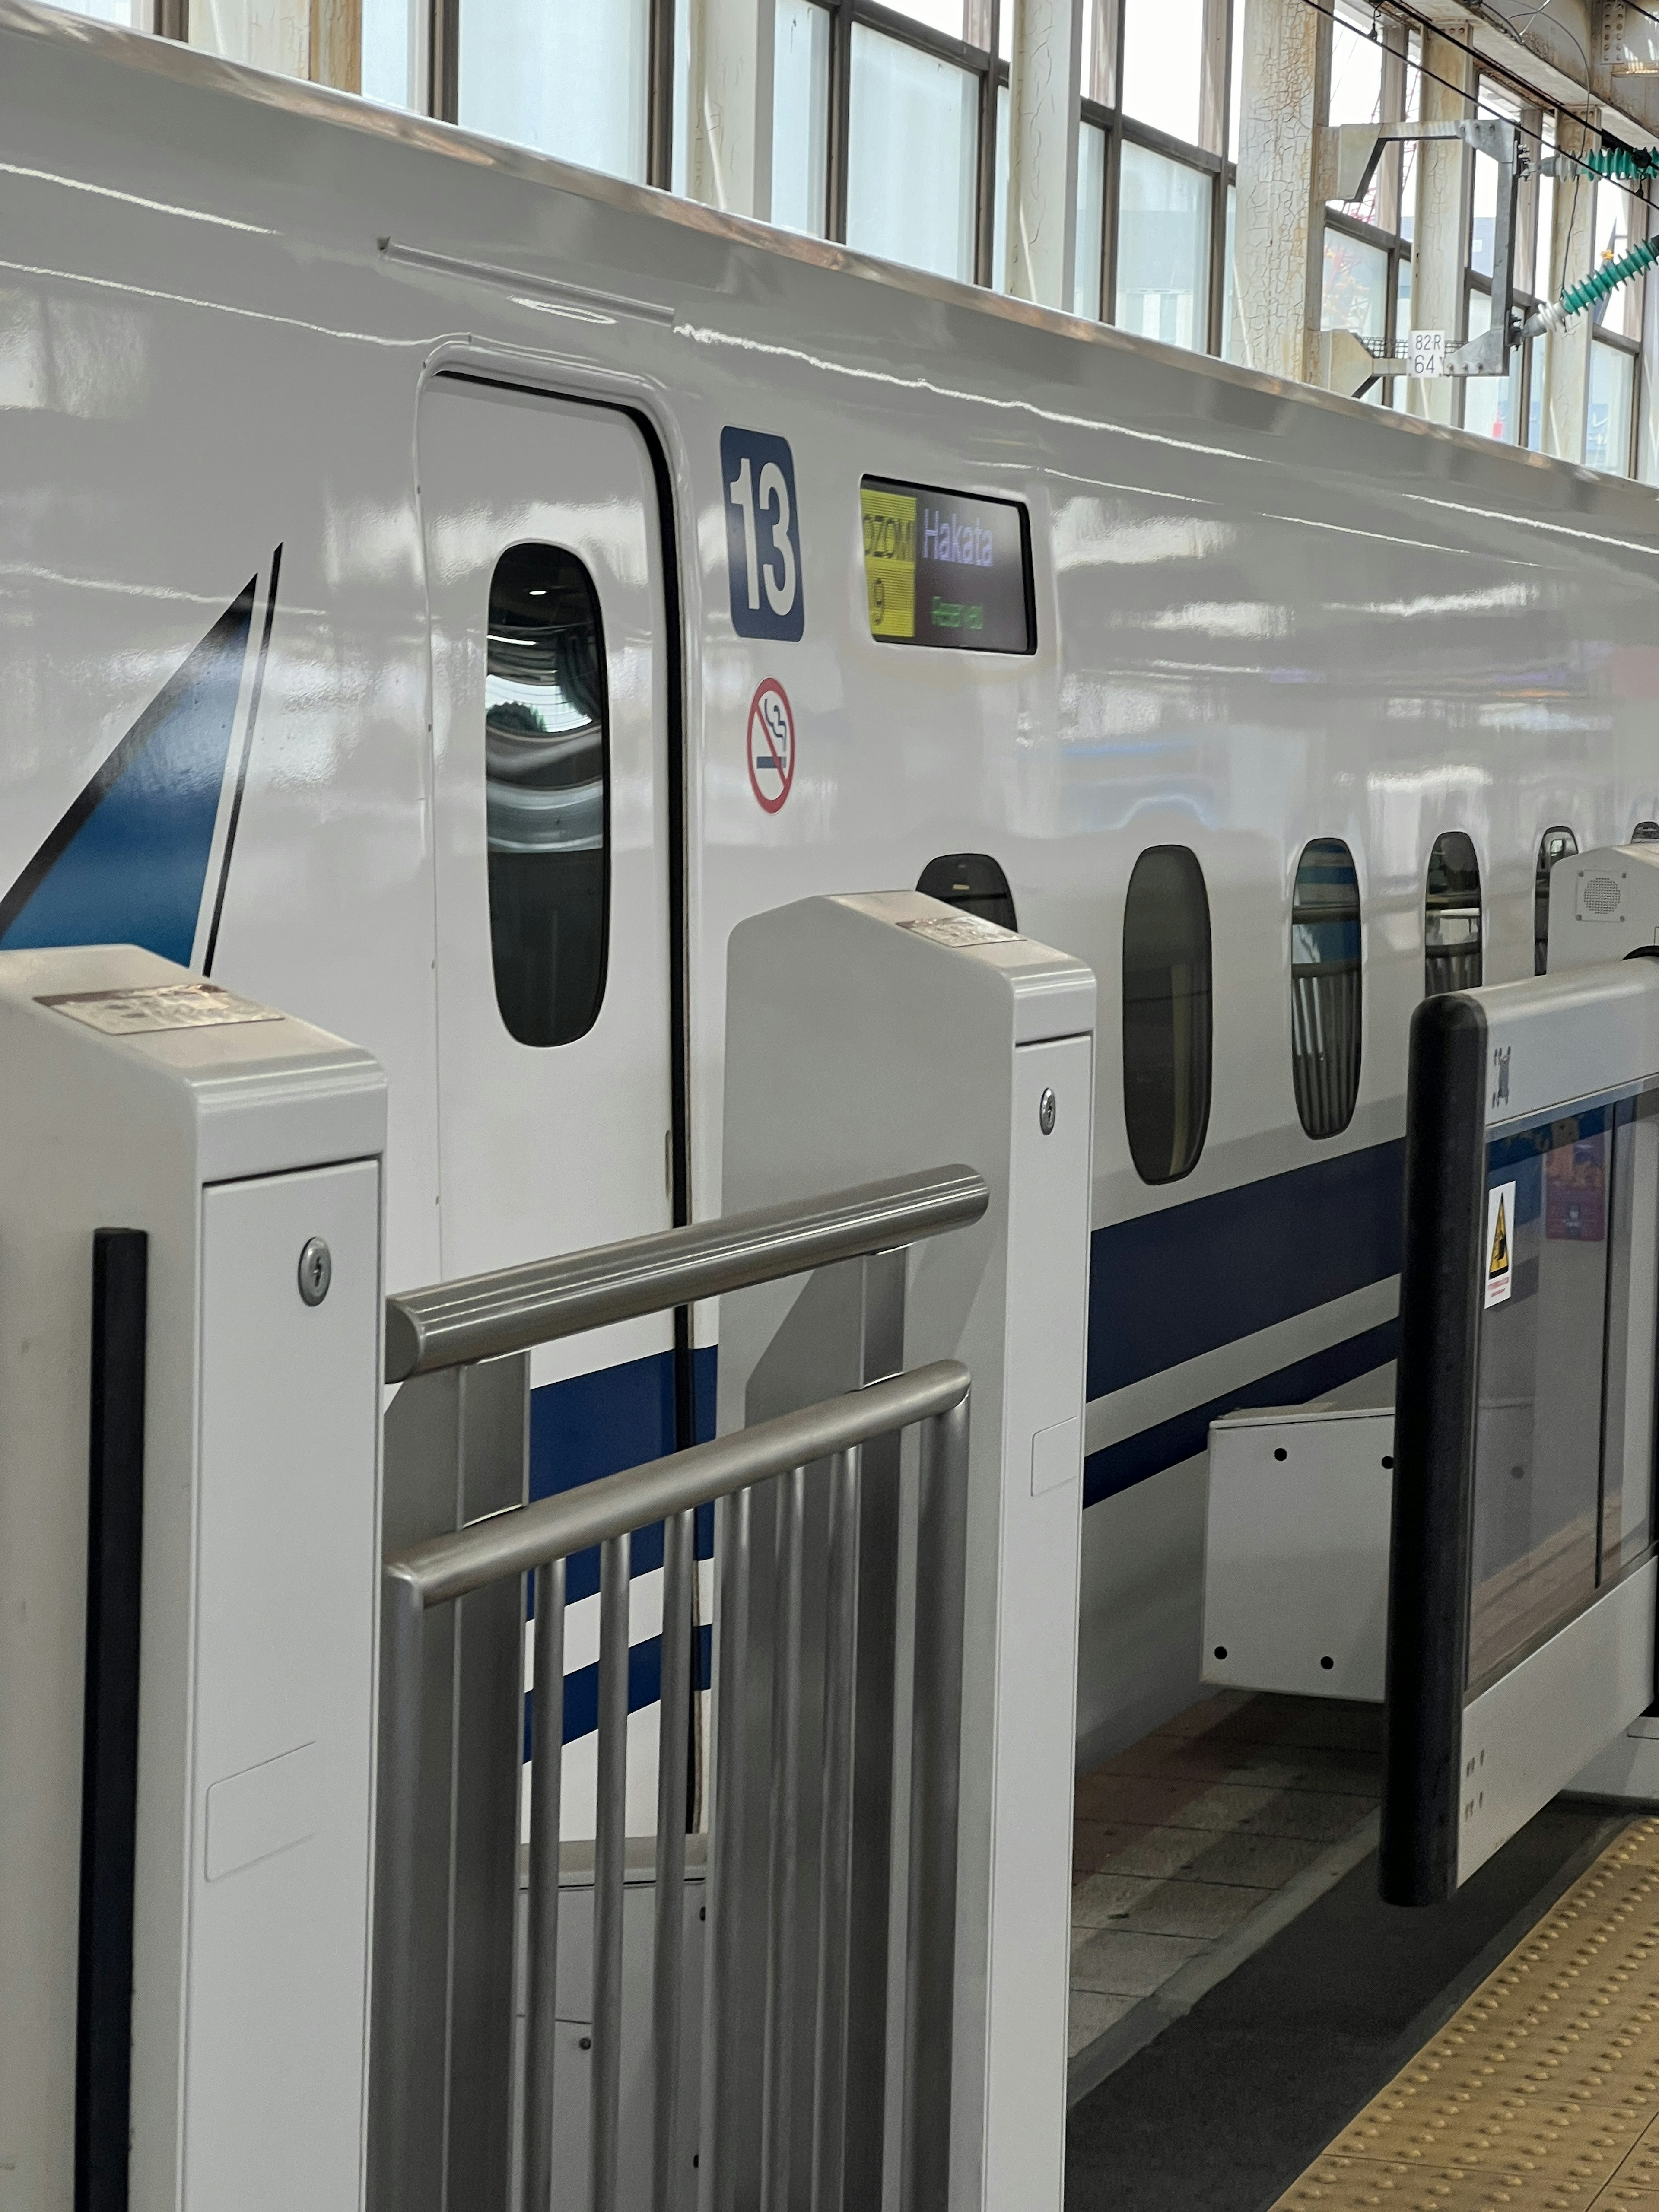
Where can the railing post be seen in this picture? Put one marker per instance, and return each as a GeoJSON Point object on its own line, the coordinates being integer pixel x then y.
{"type": "Point", "coordinates": [835, 1854]}
{"type": "Point", "coordinates": [935, 1785]}
{"type": "Point", "coordinates": [783, 1888]}
{"type": "Point", "coordinates": [546, 1778]}
{"type": "Point", "coordinates": [678, 1566]}
{"type": "Point", "coordinates": [398, 1805]}
{"type": "Point", "coordinates": [610, 1869]}
{"type": "Point", "coordinates": [725, 2008]}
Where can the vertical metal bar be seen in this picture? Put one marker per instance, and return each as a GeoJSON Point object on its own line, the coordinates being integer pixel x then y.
{"type": "Point", "coordinates": [672, 1744]}
{"type": "Point", "coordinates": [935, 1779]}
{"type": "Point", "coordinates": [781, 1934]}
{"type": "Point", "coordinates": [723, 2012]}
{"type": "Point", "coordinates": [610, 1866]}
{"type": "Point", "coordinates": [835, 1856]}
{"type": "Point", "coordinates": [546, 1777]}
{"type": "Point", "coordinates": [398, 1802]}
{"type": "Point", "coordinates": [109, 1770]}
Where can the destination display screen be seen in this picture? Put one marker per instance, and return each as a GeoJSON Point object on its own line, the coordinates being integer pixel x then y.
{"type": "Point", "coordinates": [941, 568]}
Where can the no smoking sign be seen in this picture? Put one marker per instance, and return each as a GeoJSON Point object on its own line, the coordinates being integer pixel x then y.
{"type": "Point", "coordinates": [771, 744]}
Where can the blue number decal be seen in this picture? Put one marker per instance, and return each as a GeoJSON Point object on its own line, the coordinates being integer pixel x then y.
{"type": "Point", "coordinates": [763, 535]}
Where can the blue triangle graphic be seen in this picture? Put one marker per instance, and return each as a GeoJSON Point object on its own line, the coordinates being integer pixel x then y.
{"type": "Point", "coordinates": [127, 863]}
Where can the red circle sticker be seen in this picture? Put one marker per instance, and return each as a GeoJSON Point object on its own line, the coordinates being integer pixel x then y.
{"type": "Point", "coordinates": [771, 746]}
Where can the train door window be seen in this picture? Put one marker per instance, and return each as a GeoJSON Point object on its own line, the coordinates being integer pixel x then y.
{"type": "Point", "coordinates": [1556, 844]}
{"type": "Point", "coordinates": [1166, 1012]}
{"type": "Point", "coordinates": [546, 795]}
{"type": "Point", "coordinates": [1644, 833]}
{"type": "Point", "coordinates": [972, 881]}
{"type": "Point", "coordinates": [1451, 917]}
{"type": "Point", "coordinates": [1325, 987]}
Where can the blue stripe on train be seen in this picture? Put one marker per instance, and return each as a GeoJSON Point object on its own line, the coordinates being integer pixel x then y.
{"type": "Point", "coordinates": [617, 1417]}
{"type": "Point", "coordinates": [581, 1685]}
{"type": "Point", "coordinates": [1121, 1466]}
{"type": "Point", "coordinates": [1187, 1279]}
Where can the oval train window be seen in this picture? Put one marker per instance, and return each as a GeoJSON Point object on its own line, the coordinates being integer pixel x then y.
{"type": "Point", "coordinates": [972, 881]}
{"type": "Point", "coordinates": [546, 795]}
{"type": "Point", "coordinates": [1451, 916]}
{"type": "Point", "coordinates": [1166, 1012]}
{"type": "Point", "coordinates": [1556, 844]}
{"type": "Point", "coordinates": [1325, 987]}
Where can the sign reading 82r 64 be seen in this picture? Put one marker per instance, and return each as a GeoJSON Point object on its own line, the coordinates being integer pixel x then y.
{"type": "Point", "coordinates": [763, 535]}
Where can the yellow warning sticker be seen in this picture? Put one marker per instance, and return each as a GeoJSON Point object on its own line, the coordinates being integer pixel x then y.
{"type": "Point", "coordinates": [1500, 1242]}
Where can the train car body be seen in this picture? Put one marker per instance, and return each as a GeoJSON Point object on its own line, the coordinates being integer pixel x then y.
{"type": "Point", "coordinates": [298, 400]}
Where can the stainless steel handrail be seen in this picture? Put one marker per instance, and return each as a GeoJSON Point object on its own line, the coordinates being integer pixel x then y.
{"type": "Point", "coordinates": [482, 1316]}
{"type": "Point", "coordinates": [540, 1537]}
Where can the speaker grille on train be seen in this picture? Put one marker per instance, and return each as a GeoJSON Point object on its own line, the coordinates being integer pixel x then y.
{"type": "Point", "coordinates": [1600, 897]}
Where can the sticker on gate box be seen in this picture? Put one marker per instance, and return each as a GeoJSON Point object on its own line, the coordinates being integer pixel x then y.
{"type": "Point", "coordinates": [158, 1006]}
{"type": "Point", "coordinates": [1500, 1243]}
{"type": "Point", "coordinates": [960, 930]}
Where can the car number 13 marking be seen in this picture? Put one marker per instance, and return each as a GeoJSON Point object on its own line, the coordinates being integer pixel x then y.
{"type": "Point", "coordinates": [762, 540]}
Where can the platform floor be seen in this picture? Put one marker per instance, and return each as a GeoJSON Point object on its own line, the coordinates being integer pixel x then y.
{"type": "Point", "coordinates": [1541, 2093]}
{"type": "Point", "coordinates": [1250, 2094]}
{"type": "Point", "coordinates": [1193, 1848]}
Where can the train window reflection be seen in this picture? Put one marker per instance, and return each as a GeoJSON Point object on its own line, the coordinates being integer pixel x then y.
{"type": "Point", "coordinates": [1166, 1012]}
{"type": "Point", "coordinates": [1556, 844]}
{"type": "Point", "coordinates": [1451, 917]}
{"type": "Point", "coordinates": [972, 881]}
{"type": "Point", "coordinates": [546, 794]}
{"type": "Point", "coordinates": [1325, 987]}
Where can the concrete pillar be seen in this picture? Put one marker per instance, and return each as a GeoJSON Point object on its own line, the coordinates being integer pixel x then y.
{"type": "Point", "coordinates": [1572, 246]}
{"type": "Point", "coordinates": [730, 106]}
{"type": "Point", "coordinates": [1441, 231]}
{"type": "Point", "coordinates": [1278, 235]}
{"type": "Point", "coordinates": [1043, 96]}
{"type": "Point", "coordinates": [336, 44]}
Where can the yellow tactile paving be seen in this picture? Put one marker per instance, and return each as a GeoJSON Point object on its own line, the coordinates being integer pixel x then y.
{"type": "Point", "coordinates": [1541, 2094]}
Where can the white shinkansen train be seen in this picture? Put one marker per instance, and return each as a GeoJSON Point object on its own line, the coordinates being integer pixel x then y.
{"type": "Point", "coordinates": [442, 591]}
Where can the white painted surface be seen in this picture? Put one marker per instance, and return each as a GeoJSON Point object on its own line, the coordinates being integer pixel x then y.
{"type": "Point", "coordinates": [288, 1539]}
{"type": "Point", "coordinates": [1527, 1737]}
{"type": "Point", "coordinates": [1296, 1566]}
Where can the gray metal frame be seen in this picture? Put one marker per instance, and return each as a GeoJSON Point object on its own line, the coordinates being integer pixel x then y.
{"type": "Point", "coordinates": [436, 1338]}
{"type": "Point", "coordinates": [539, 1538]}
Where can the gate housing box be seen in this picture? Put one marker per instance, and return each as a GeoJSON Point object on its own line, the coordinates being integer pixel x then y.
{"type": "Point", "coordinates": [134, 1095]}
{"type": "Point", "coordinates": [875, 1036]}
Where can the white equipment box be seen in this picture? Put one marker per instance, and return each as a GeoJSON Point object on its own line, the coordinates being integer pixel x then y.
{"type": "Point", "coordinates": [190, 1309]}
{"type": "Point", "coordinates": [1295, 1557]}
{"type": "Point", "coordinates": [871, 1036]}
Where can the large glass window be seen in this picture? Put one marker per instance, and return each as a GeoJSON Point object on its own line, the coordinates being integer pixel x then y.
{"type": "Point", "coordinates": [1163, 248]}
{"type": "Point", "coordinates": [1166, 1012]}
{"type": "Point", "coordinates": [1607, 421]}
{"type": "Point", "coordinates": [566, 76]}
{"type": "Point", "coordinates": [912, 154]}
{"type": "Point", "coordinates": [546, 794]}
{"type": "Point", "coordinates": [1163, 65]}
{"type": "Point", "coordinates": [1090, 219]}
{"type": "Point", "coordinates": [1325, 987]}
{"type": "Point", "coordinates": [1556, 844]}
{"type": "Point", "coordinates": [1451, 917]}
{"type": "Point", "coordinates": [1356, 287]}
{"type": "Point", "coordinates": [800, 116]}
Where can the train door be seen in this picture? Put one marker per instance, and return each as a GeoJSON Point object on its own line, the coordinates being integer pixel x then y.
{"type": "Point", "coordinates": [550, 723]}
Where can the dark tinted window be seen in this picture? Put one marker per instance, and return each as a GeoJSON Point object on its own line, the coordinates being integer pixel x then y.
{"type": "Point", "coordinates": [1555, 845]}
{"type": "Point", "coordinates": [1325, 987]}
{"type": "Point", "coordinates": [1644, 833]}
{"type": "Point", "coordinates": [547, 794]}
{"type": "Point", "coordinates": [1166, 1012]}
{"type": "Point", "coordinates": [972, 881]}
{"type": "Point", "coordinates": [1451, 917]}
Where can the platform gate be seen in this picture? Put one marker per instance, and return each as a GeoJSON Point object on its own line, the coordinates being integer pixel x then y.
{"type": "Point", "coordinates": [451, 2125]}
